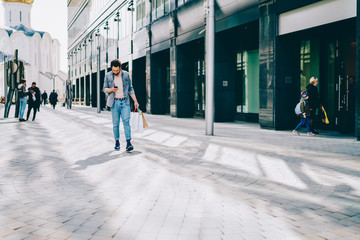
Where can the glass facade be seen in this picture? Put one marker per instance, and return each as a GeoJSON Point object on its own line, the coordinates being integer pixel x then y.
{"type": "Point", "coordinates": [181, 2]}
{"type": "Point", "coordinates": [309, 61]}
{"type": "Point", "coordinates": [247, 82]}
{"type": "Point", "coordinates": [106, 35]}
{"type": "Point", "coordinates": [159, 8]}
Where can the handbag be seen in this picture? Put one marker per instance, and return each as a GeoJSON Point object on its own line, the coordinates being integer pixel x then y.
{"type": "Point", "coordinates": [324, 118]}
{"type": "Point", "coordinates": [136, 122]}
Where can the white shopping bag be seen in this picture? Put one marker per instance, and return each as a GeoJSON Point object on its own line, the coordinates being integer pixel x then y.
{"type": "Point", "coordinates": [136, 122]}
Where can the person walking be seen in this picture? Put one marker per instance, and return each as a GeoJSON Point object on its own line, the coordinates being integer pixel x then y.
{"type": "Point", "coordinates": [22, 99]}
{"type": "Point", "coordinates": [44, 97]}
{"type": "Point", "coordinates": [314, 102]}
{"type": "Point", "coordinates": [53, 98]}
{"type": "Point", "coordinates": [118, 87]}
{"type": "Point", "coordinates": [40, 101]}
{"type": "Point", "coordinates": [34, 100]}
{"type": "Point", "coordinates": [305, 114]}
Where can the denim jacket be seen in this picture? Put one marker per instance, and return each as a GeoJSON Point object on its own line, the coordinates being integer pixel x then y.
{"type": "Point", "coordinates": [109, 83]}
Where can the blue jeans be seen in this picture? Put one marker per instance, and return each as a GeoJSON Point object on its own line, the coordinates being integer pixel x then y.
{"type": "Point", "coordinates": [303, 121]}
{"type": "Point", "coordinates": [121, 109]}
{"type": "Point", "coordinates": [22, 106]}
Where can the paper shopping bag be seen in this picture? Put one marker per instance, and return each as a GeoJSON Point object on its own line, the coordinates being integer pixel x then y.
{"type": "Point", "coordinates": [145, 124]}
{"type": "Point", "coordinates": [136, 122]}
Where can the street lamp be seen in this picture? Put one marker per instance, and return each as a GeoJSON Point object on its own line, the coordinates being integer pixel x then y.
{"type": "Point", "coordinates": [97, 35]}
{"type": "Point", "coordinates": [68, 84]}
{"type": "Point", "coordinates": [118, 20]}
{"type": "Point", "coordinates": [131, 9]}
{"type": "Point", "coordinates": [107, 39]}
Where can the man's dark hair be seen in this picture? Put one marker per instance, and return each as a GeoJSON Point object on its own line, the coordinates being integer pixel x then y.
{"type": "Point", "coordinates": [33, 83]}
{"type": "Point", "coordinates": [115, 63]}
{"type": "Point", "coordinates": [22, 81]}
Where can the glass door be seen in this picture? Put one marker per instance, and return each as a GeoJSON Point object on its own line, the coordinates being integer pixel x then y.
{"type": "Point", "coordinates": [339, 92]}
{"type": "Point", "coordinates": [199, 95]}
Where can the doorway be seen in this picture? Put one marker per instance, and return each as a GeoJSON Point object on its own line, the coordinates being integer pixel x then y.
{"type": "Point", "coordinates": [329, 52]}
{"type": "Point", "coordinates": [341, 67]}
{"type": "Point", "coordinates": [199, 87]}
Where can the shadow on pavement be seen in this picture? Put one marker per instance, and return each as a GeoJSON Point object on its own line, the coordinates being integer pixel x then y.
{"type": "Point", "coordinates": [103, 158]}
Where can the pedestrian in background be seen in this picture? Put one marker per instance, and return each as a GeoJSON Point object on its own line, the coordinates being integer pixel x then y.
{"type": "Point", "coordinates": [305, 114]}
{"type": "Point", "coordinates": [53, 98]}
{"type": "Point", "coordinates": [44, 97]}
{"type": "Point", "coordinates": [118, 87]}
{"type": "Point", "coordinates": [34, 100]}
{"type": "Point", "coordinates": [40, 101]}
{"type": "Point", "coordinates": [314, 102]}
{"type": "Point", "coordinates": [22, 99]}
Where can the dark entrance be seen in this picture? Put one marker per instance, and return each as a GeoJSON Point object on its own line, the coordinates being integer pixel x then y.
{"type": "Point", "coordinates": [94, 90]}
{"type": "Point", "coordinates": [329, 53]}
{"type": "Point", "coordinates": [342, 71]}
{"type": "Point", "coordinates": [160, 82]}
{"type": "Point", "coordinates": [102, 93]}
{"type": "Point", "coordinates": [190, 79]}
{"type": "Point", "coordinates": [77, 93]}
{"type": "Point", "coordinates": [82, 89]}
{"type": "Point", "coordinates": [139, 82]}
{"type": "Point", "coordinates": [87, 90]}
{"type": "Point", "coordinates": [199, 87]}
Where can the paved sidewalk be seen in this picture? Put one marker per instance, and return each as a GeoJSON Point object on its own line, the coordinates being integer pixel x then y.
{"type": "Point", "coordinates": [61, 179]}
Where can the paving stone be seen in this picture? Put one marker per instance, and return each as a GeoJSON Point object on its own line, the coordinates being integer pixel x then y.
{"type": "Point", "coordinates": [244, 183]}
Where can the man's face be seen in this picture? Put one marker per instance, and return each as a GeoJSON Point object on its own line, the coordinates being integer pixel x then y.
{"type": "Point", "coordinates": [33, 85]}
{"type": "Point", "coordinates": [116, 70]}
{"type": "Point", "coordinates": [316, 82]}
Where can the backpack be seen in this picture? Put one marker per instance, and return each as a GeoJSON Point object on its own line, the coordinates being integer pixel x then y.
{"type": "Point", "coordinates": [22, 92]}
{"type": "Point", "coordinates": [298, 109]}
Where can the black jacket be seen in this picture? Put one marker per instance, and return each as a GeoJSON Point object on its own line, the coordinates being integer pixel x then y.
{"type": "Point", "coordinates": [53, 98]}
{"type": "Point", "coordinates": [37, 95]}
{"type": "Point", "coordinates": [22, 91]}
{"type": "Point", "coordinates": [314, 101]}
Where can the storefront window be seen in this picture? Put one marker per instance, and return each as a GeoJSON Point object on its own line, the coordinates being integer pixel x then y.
{"type": "Point", "coordinates": [247, 82]}
{"type": "Point", "coordinates": [309, 61]}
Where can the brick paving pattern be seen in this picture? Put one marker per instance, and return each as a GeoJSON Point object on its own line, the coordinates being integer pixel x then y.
{"type": "Point", "coordinates": [61, 179]}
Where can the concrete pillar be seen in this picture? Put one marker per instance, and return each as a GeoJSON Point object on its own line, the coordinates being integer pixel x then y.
{"type": "Point", "coordinates": [173, 78]}
{"type": "Point", "coordinates": [267, 49]}
{"type": "Point", "coordinates": [148, 80]}
{"type": "Point", "coordinates": [357, 104]}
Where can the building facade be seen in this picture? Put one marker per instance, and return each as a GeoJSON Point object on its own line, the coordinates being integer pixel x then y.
{"type": "Point", "coordinates": [37, 49]}
{"type": "Point", "coordinates": [265, 53]}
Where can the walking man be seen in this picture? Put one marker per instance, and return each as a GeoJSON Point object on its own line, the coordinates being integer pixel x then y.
{"type": "Point", "coordinates": [118, 86]}
{"type": "Point", "coordinates": [34, 100]}
{"type": "Point", "coordinates": [44, 97]}
{"type": "Point", "coordinates": [53, 98]}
